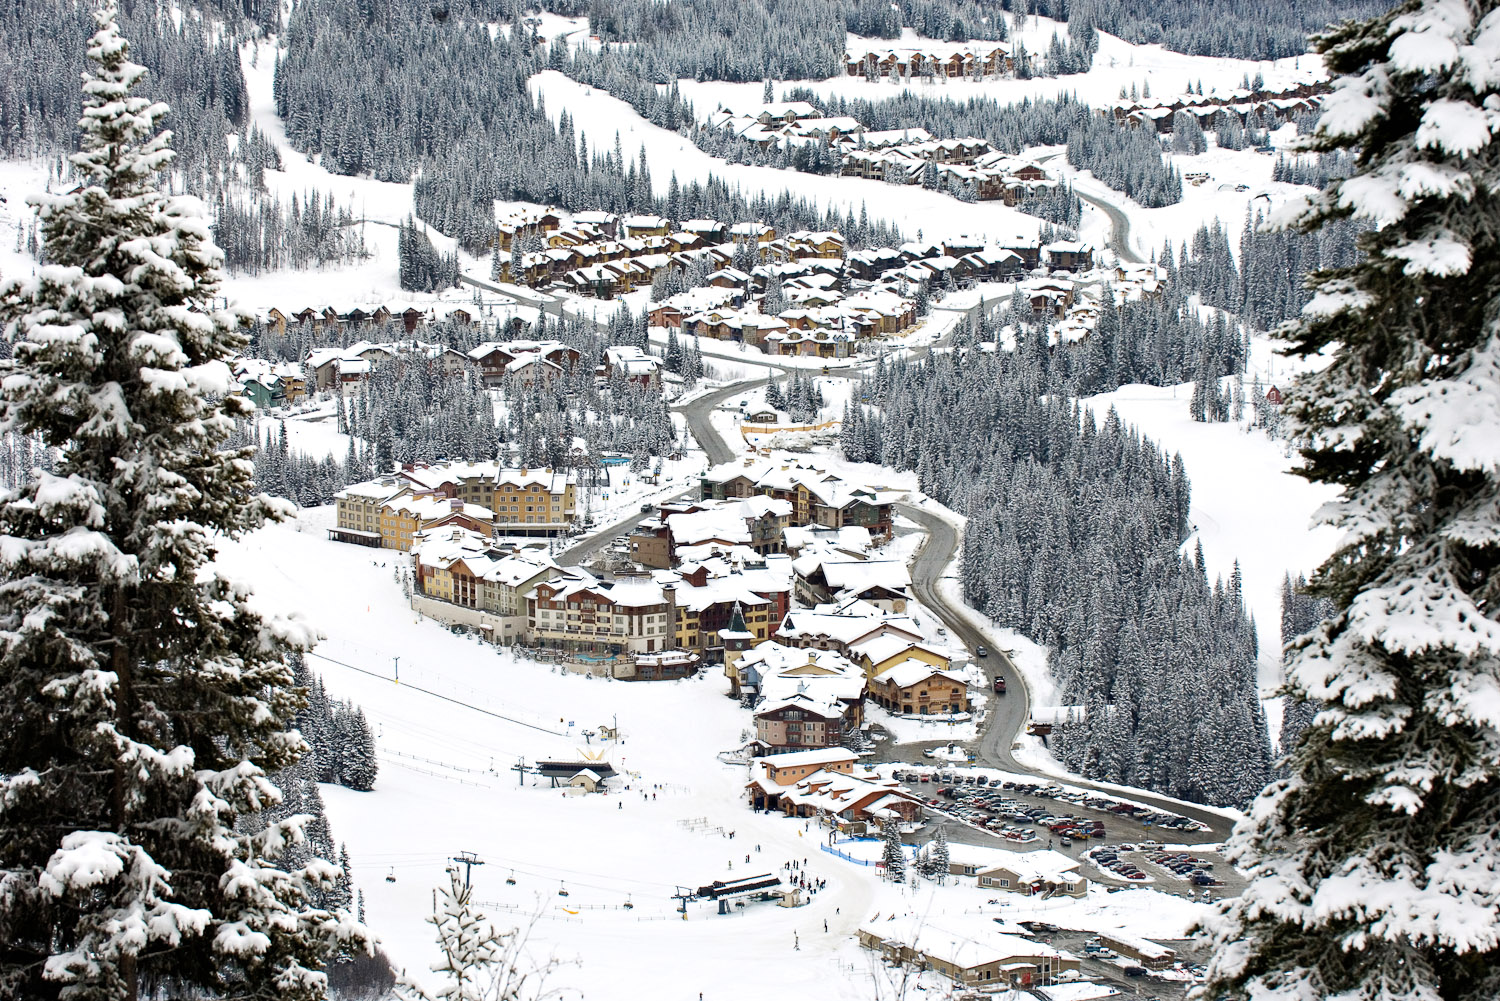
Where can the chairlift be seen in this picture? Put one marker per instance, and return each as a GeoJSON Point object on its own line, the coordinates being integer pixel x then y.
{"type": "Point", "coordinates": [628, 904]}
{"type": "Point", "coordinates": [390, 877]}
{"type": "Point", "coordinates": [511, 879]}
{"type": "Point", "coordinates": [562, 890]}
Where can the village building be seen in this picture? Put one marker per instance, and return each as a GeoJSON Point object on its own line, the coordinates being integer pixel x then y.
{"type": "Point", "coordinates": [843, 626]}
{"type": "Point", "coordinates": [357, 509]}
{"type": "Point", "coordinates": [580, 613]}
{"type": "Point", "coordinates": [969, 956]}
{"type": "Point", "coordinates": [848, 802]}
{"type": "Point", "coordinates": [463, 578]}
{"type": "Point", "coordinates": [535, 501]}
{"type": "Point", "coordinates": [914, 688]}
{"type": "Point", "coordinates": [402, 518]}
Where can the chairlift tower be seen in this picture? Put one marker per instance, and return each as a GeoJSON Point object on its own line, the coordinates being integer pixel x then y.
{"type": "Point", "coordinates": [468, 860]}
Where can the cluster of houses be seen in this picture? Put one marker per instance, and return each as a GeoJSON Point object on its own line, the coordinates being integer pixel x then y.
{"type": "Point", "coordinates": [267, 383]}
{"type": "Point", "coordinates": [343, 316]}
{"type": "Point", "coordinates": [603, 255]}
{"type": "Point", "coordinates": [1270, 105]}
{"type": "Point", "coordinates": [521, 362]}
{"type": "Point", "coordinates": [982, 59]}
{"type": "Point", "coordinates": [820, 316]}
{"type": "Point", "coordinates": [897, 156]}
{"type": "Point", "coordinates": [828, 308]}
{"type": "Point", "coordinates": [972, 164]}
{"type": "Point", "coordinates": [395, 510]}
{"type": "Point", "coordinates": [817, 496]}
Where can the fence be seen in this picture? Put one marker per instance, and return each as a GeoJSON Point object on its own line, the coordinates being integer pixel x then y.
{"type": "Point", "coordinates": [773, 428]}
{"type": "Point", "coordinates": [845, 856]}
{"type": "Point", "coordinates": [437, 775]}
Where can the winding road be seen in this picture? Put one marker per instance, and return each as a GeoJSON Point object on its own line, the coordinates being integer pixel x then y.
{"type": "Point", "coordinates": [1119, 224]}
{"type": "Point", "coordinates": [1008, 716]}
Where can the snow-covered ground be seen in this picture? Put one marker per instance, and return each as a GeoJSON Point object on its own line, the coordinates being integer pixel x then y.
{"type": "Point", "coordinates": [1247, 504]}
{"type": "Point", "coordinates": [445, 786]}
{"type": "Point", "coordinates": [600, 117]}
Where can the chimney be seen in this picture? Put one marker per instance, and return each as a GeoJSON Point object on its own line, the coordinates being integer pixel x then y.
{"type": "Point", "coordinates": [669, 592]}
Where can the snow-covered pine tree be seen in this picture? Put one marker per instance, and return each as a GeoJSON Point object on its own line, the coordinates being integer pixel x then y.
{"type": "Point", "coordinates": [144, 697]}
{"type": "Point", "coordinates": [361, 766]}
{"type": "Point", "coordinates": [1373, 864]}
{"type": "Point", "coordinates": [939, 856]}
{"type": "Point", "coordinates": [892, 856]}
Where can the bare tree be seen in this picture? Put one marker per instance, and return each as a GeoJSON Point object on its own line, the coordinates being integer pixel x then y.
{"type": "Point", "coordinates": [480, 962]}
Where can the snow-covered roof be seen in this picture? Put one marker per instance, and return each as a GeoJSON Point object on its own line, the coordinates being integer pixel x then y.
{"type": "Point", "coordinates": [879, 649]}
{"type": "Point", "coordinates": [1043, 865]}
{"type": "Point", "coordinates": [820, 756]}
{"type": "Point", "coordinates": [1080, 991]}
{"type": "Point", "coordinates": [913, 672]}
{"type": "Point", "coordinates": [858, 575]}
{"type": "Point", "coordinates": [959, 944]}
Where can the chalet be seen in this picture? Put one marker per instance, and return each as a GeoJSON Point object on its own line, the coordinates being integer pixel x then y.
{"type": "Point", "coordinates": [605, 222]}
{"type": "Point", "coordinates": [914, 688]}
{"type": "Point", "coordinates": [850, 803]}
{"type": "Point", "coordinates": [786, 112]}
{"type": "Point", "coordinates": [751, 232]}
{"type": "Point", "coordinates": [580, 613]}
{"type": "Point", "coordinates": [785, 769]}
{"type": "Point", "coordinates": [633, 365]}
{"type": "Point", "coordinates": [709, 231]}
{"type": "Point", "coordinates": [1069, 255]}
{"type": "Point", "coordinates": [881, 653]}
{"type": "Point", "coordinates": [967, 956]}
{"type": "Point", "coordinates": [800, 721]}
{"type": "Point", "coordinates": [843, 627]}
{"type": "Point", "coordinates": [646, 225]}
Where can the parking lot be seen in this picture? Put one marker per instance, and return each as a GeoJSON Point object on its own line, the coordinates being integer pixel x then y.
{"type": "Point", "coordinates": [1025, 816]}
{"type": "Point", "coordinates": [1198, 873]}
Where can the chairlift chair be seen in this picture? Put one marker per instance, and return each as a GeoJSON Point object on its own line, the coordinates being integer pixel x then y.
{"type": "Point", "coordinates": [562, 890]}
{"type": "Point", "coordinates": [628, 904]}
{"type": "Point", "coordinates": [390, 877]}
{"type": "Point", "coordinates": [511, 879]}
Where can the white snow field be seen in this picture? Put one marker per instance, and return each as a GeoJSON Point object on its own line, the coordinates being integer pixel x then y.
{"type": "Point", "coordinates": [598, 116]}
{"type": "Point", "coordinates": [437, 795]}
{"type": "Point", "coordinates": [1247, 503]}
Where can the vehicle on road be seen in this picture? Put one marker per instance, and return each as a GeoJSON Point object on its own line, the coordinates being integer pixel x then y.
{"type": "Point", "coordinates": [980, 651]}
{"type": "Point", "coordinates": [648, 507]}
{"type": "Point", "coordinates": [999, 685]}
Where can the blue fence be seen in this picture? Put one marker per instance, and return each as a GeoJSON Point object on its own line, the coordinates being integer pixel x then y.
{"type": "Point", "coordinates": [830, 849]}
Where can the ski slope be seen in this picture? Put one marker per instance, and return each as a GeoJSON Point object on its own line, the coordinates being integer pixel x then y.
{"type": "Point", "coordinates": [1247, 503]}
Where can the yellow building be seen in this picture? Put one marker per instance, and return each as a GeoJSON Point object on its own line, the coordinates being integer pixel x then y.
{"type": "Point", "coordinates": [402, 518]}
{"type": "Point", "coordinates": [358, 509]}
{"type": "Point", "coordinates": [878, 655]}
{"type": "Point", "coordinates": [539, 498]}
